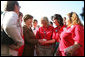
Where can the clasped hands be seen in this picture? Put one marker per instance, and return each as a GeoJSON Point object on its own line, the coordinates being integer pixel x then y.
{"type": "Point", "coordinates": [42, 41]}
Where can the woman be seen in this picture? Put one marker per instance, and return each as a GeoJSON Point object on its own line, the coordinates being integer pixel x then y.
{"type": "Point", "coordinates": [64, 21]}
{"type": "Point", "coordinates": [58, 21]}
{"type": "Point", "coordinates": [29, 37]}
{"type": "Point", "coordinates": [20, 50]}
{"type": "Point", "coordinates": [35, 26]}
{"type": "Point", "coordinates": [11, 27]}
{"type": "Point", "coordinates": [72, 40]}
{"type": "Point", "coordinates": [44, 35]}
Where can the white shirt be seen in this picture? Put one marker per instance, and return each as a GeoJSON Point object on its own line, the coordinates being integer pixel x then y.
{"type": "Point", "coordinates": [35, 30]}
{"type": "Point", "coordinates": [9, 23]}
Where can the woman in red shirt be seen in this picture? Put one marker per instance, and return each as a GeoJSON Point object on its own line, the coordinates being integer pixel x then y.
{"type": "Point", "coordinates": [44, 35]}
{"type": "Point", "coordinates": [58, 21]}
{"type": "Point", "coordinates": [72, 39]}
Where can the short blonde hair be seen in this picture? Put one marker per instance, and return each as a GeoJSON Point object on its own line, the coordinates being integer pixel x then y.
{"type": "Point", "coordinates": [46, 19]}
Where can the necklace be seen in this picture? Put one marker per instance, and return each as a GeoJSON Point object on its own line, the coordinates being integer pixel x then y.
{"type": "Point", "coordinates": [45, 34]}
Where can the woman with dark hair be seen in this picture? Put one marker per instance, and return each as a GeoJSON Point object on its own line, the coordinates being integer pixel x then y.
{"type": "Point", "coordinates": [35, 26]}
{"type": "Point", "coordinates": [20, 50]}
{"type": "Point", "coordinates": [11, 27]}
{"type": "Point", "coordinates": [51, 23]}
{"type": "Point", "coordinates": [58, 21]}
{"type": "Point", "coordinates": [11, 5]}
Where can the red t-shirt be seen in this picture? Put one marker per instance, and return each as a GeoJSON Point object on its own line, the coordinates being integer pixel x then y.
{"type": "Point", "coordinates": [73, 34]}
{"type": "Point", "coordinates": [20, 50]}
{"type": "Point", "coordinates": [56, 33]}
{"type": "Point", "coordinates": [45, 33]}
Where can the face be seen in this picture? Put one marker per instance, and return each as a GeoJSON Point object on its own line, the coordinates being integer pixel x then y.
{"type": "Point", "coordinates": [35, 23]}
{"type": "Point", "coordinates": [51, 24]}
{"type": "Point", "coordinates": [20, 18]}
{"type": "Point", "coordinates": [29, 22]}
{"type": "Point", "coordinates": [64, 21]}
{"type": "Point", "coordinates": [17, 8]}
{"type": "Point", "coordinates": [55, 22]}
{"type": "Point", "coordinates": [43, 22]}
{"type": "Point", "coordinates": [68, 22]}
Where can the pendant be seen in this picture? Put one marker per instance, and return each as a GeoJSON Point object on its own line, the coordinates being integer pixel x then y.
{"type": "Point", "coordinates": [56, 30]}
{"type": "Point", "coordinates": [44, 32]}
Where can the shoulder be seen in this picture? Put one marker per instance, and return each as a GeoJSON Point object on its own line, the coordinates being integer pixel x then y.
{"type": "Point", "coordinates": [25, 28]}
{"type": "Point", "coordinates": [40, 28]}
{"type": "Point", "coordinates": [79, 27]}
{"type": "Point", "coordinates": [12, 14]}
{"type": "Point", "coordinates": [51, 27]}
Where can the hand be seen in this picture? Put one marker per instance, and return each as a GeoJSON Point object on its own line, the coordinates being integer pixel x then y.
{"type": "Point", "coordinates": [42, 42]}
{"type": "Point", "coordinates": [14, 46]}
{"type": "Point", "coordinates": [68, 52]}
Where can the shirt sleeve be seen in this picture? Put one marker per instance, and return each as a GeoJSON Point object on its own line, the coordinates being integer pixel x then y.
{"type": "Point", "coordinates": [53, 36]}
{"type": "Point", "coordinates": [78, 35]}
{"type": "Point", "coordinates": [29, 38]}
{"type": "Point", "coordinates": [12, 29]}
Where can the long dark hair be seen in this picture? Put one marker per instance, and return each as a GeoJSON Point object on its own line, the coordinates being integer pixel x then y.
{"type": "Point", "coordinates": [11, 5]}
{"type": "Point", "coordinates": [59, 18]}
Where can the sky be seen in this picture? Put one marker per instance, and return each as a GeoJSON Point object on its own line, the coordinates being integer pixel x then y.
{"type": "Point", "coordinates": [39, 9]}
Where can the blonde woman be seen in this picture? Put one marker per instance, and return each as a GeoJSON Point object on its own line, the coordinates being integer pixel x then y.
{"type": "Point", "coordinates": [44, 35]}
{"type": "Point", "coordinates": [72, 39]}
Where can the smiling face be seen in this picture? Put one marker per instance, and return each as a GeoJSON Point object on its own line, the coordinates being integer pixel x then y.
{"type": "Point", "coordinates": [55, 22]}
{"type": "Point", "coordinates": [17, 9]}
{"type": "Point", "coordinates": [35, 23]}
{"type": "Point", "coordinates": [68, 22]}
{"type": "Point", "coordinates": [44, 21]}
{"type": "Point", "coordinates": [64, 21]}
{"type": "Point", "coordinates": [29, 22]}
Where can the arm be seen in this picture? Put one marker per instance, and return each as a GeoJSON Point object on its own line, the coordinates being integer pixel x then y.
{"type": "Point", "coordinates": [37, 34]}
{"type": "Point", "coordinates": [29, 38]}
{"type": "Point", "coordinates": [77, 43]}
{"type": "Point", "coordinates": [70, 50]}
{"type": "Point", "coordinates": [50, 41]}
{"type": "Point", "coordinates": [46, 42]}
{"type": "Point", "coordinates": [12, 29]}
{"type": "Point", "coordinates": [15, 35]}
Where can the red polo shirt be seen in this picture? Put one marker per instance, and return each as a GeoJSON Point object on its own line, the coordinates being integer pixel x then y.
{"type": "Point", "coordinates": [73, 34]}
{"type": "Point", "coordinates": [56, 33]}
{"type": "Point", "coordinates": [45, 33]}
